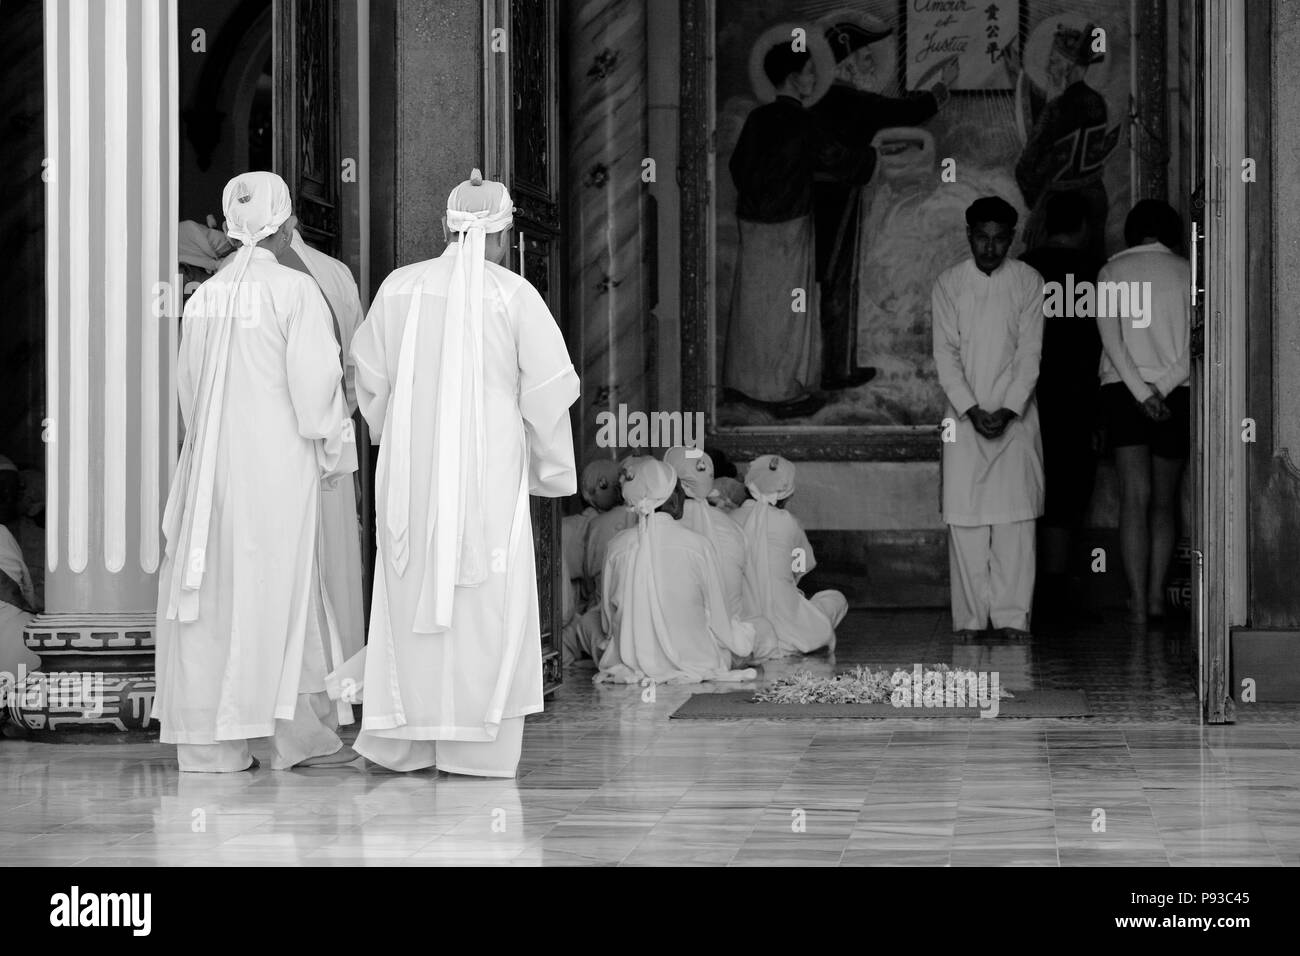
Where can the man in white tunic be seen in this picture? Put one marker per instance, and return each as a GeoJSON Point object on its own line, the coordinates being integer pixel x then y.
{"type": "Point", "coordinates": [465, 380]}
{"type": "Point", "coordinates": [244, 632]}
{"type": "Point", "coordinates": [340, 539]}
{"type": "Point", "coordinates": [988, 335]}
{"type": "Point", "coordinates": [777, 555]}
{"type": "Point", "coordinates": [663, 605]}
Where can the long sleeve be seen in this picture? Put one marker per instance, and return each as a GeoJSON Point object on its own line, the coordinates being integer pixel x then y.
{"type": "Point", "coordinates": [1036, 160]}
{"type": "Point", "coordinates": [189, 360]}
{"type": "Point", "coordinates": [373, 387]}
{"type": "Point", "coordinates": [315, 380]}
{"type": "Point", "coordinates": [1112, 343]}
{"type": "Point", "coordinates": [351, 315]}
{"type": "Point", "coordinates": [610, 586]}
{"type": "Point", "coordinates": [947, 351]}
{"type": "Point", "coordinates": [1029, 347]}
{"type": "Point", "coordinates": [715, 603]}
{"type": "Point", "coordinates": [548, 385]}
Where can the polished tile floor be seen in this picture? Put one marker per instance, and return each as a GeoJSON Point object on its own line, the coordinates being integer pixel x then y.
{"type": "Point", "coordinates": [607, 779]}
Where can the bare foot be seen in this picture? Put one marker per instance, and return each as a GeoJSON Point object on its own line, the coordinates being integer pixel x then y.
{"type": "Point", "coordinates": [341, 757]}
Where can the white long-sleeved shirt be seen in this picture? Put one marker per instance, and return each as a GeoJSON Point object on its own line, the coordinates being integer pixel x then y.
{"type": "Point", "coordinates": [1158, 353]}
{"type": "Point", "coordinates": [988, 338]}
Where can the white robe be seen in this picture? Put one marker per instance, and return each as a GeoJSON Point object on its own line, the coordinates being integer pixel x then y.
{"type": "Point", "coordinates": [263, 630]}
{"type": "Point", "coordinates": [988, 336]}
{"type": "Point", "coordinates": [461, 684]}
{"type": "Point", "coordinates": [340, 541]}
{"type": "Point", "coordinates": [800, 624]}
{"type": "Point", "coordinates": [728, 541]}
{"type": "Point", "coordinates": [679, 631]}
{"type": "Point", "coordinates": [601, 530]}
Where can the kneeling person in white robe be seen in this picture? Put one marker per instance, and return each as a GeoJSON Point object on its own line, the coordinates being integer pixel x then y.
{"type": "Point", "coordinates": [581, 634]}
{"type": "Point", "coordinates": [695, 473]}
{"type": "Point", "coordinates": [778, 554]}
{"type": "Point", "coordinates": [244, 631]}
{"type": "Point", "coordinates": [662, 602]}
{"type": "Point", "coordinates": [465, 379]}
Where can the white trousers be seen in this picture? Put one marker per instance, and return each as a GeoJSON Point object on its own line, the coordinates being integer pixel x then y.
{"type": "Point", "coordinates": [992, 571]}
{"type": "Point", "coordinates": [475, 758]}
{"type": "Point", "coordinates": [311, 733]}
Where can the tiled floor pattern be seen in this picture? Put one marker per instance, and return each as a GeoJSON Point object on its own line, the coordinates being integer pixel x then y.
{"type": "Point", "coordinates": [609, 779]}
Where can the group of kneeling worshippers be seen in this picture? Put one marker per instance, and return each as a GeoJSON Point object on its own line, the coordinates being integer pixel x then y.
{"type": "Point", "coordinates": [684, 583]}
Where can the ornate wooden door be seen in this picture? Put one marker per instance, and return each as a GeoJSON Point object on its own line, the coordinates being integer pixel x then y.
{"type": "Point", "coordinates": [522, 148]}
{"type": "Point", "coordinates": [306, 106]}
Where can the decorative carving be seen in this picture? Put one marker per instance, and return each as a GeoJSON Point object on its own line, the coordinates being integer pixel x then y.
{"type": "Point", "coordinates": [306, 106]}
{"type": "Point", "coordinates": [97, 675]}
{"type": "Point", "coordinates": [605, 63]}
{"type": "Point", "coordinates": [537, 218]}
{"type": "Point", "coordinates": [531, 82]}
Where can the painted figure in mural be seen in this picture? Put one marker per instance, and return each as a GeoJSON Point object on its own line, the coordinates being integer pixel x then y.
{"type": "Point", "coordinates": [662, 599]}
{"type": "Point", "coordinates": [340, 537]}
{"type": "Point", "coordinates": [245, 636]}
{"type": "Point", "coordinates": [1069, 138]}
{"type": "Point", "coordinates": [854, 111]}
{"type": "Point", "coordinates": [773, 348]}
{"type": "Point", "coordinates": [1067, 400]}
{"type": "Point", "coordinates": [988, 335]}
{"type": "Point", "coordinates": [464, 376]}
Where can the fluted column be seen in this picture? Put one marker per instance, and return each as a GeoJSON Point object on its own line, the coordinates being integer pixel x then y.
{"type": "Point", "coordinates": [110, 427]}
{"type": "Point", "coordinates": [607, 102]}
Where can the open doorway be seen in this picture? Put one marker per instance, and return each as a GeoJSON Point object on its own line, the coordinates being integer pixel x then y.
{"type": "Point", "coordinates": [226, 104]}
{"type": "Point", "coordinates": [869, 452]}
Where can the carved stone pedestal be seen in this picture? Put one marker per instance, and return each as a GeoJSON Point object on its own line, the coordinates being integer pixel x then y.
{"type": "Point", "coordinates": [96, 676]}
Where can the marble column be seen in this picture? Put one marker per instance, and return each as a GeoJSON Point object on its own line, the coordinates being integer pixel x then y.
{"type": "Point", "coordinates": [607, 140]}
{"type": "Point", "coordinates": [111, 303]}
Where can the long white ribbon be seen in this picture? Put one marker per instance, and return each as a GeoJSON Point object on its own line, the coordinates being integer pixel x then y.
{"type": "Point", "coordinates": [455, 525]}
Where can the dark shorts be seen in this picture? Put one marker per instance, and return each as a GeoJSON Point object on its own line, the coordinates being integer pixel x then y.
{"type": "Point", "coordinates": [1128, 425]}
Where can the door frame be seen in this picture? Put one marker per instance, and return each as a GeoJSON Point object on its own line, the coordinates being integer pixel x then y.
{"type": "Point", "coordinates": [1221, 512]}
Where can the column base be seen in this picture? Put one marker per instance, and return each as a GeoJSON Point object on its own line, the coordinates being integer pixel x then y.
{"type": "Point", "coordinates": [96, 677]}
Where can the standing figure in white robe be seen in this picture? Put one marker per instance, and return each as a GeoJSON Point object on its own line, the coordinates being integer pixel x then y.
{"type": "Point", "coordinates": [988, 336]}
{"type": "Point", "coordinates": [662, 602]}
{"type": "Point", "coordinates": [695, 473]}
{"type": "Point", "coordinates": [465, 379]}
{"type": "Point", "coordinates": [777, 555]}
{"type": "Point", "coordinates": [589, 636]}
{"type": "Point", "coordinates": [245, 635]}
{"type": "Point", "coordinates": [340, 539]}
